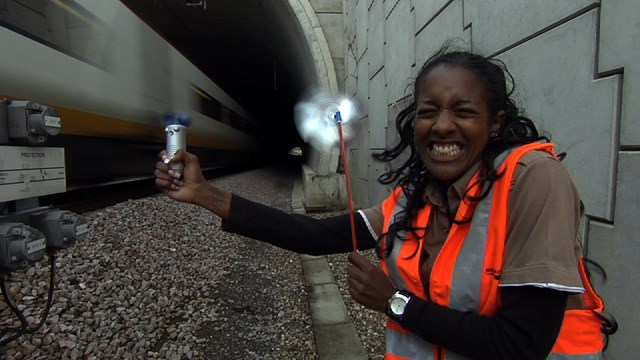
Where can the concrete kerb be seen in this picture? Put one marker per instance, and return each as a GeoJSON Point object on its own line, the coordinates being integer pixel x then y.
{"type": "Point", "coordinates": [335, 334]}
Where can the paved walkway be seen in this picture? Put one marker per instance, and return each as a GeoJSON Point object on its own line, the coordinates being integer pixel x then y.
{"type": "Point", "coordinates": [336, 337]}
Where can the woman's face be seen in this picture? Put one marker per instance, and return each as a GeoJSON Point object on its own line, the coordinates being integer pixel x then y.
{"type": "Point", "coordinates": [452, 123]}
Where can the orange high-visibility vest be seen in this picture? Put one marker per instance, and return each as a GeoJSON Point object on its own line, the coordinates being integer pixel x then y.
{"type": "Point", "coordinates": [465, 275]}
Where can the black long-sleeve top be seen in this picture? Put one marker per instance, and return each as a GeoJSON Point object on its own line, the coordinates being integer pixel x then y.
{"type": "Point", "coordinates": [525, 327]}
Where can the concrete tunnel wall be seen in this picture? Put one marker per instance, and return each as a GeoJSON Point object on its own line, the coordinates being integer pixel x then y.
{"type": "Point", "coordinates": [577, 76]}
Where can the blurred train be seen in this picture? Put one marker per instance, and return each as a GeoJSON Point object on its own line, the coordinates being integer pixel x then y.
{"type": "Point", "coordinates": [110, 77]}
{"type": "Point", "coordinates": [84, 85]}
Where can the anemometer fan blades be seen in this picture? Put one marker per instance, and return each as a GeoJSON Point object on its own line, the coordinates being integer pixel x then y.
{"type": "Point", "coordinates": [317, 116]}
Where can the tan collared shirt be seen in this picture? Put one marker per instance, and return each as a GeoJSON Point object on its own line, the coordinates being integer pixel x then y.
{"type": "Point", "coordinates": [542, 247]}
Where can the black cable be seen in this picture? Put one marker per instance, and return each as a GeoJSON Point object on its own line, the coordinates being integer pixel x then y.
{"type": "Point", "coordinates": [16, 311]}
{"type": "Point", "coordinates": [24, 328]}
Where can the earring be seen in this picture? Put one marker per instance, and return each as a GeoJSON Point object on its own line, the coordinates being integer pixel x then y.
{"type": "Point", "coordinates": [493, 135]}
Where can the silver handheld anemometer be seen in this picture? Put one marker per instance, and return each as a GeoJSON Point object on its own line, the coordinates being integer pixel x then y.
{"type": "Point", "coordinates": [175, 127]}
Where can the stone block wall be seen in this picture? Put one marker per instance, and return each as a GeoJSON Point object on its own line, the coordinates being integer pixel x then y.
{"type": "Point", "coordinates": [577, 76]}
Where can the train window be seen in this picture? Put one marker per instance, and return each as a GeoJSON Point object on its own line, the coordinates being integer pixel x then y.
{"type": "Point", "coordinates": [209, 106]}
{"type": "Point", "coordinates": [60, 24]}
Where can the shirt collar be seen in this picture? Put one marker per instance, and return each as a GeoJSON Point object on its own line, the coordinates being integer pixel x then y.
{"type": "Point", "coordinates": [455, 191]}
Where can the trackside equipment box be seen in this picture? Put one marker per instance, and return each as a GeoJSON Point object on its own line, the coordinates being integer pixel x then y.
{"type": "Point", "coordinates": [27, 172]}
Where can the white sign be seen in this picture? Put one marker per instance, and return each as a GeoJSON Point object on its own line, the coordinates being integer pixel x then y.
{"type": "Point", "coordinates": [27, 172]}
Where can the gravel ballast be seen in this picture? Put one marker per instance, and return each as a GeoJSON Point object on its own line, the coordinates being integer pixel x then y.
{"type": "Point", "coordinates": [158, 279]}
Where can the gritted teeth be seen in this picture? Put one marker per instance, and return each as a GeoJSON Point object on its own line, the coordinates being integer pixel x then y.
{"type": "Point", "coordinates": [449, 149]}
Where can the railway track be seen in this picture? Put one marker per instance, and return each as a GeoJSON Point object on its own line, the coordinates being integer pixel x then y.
{"type": "Point", "coordinates": [90, 198]}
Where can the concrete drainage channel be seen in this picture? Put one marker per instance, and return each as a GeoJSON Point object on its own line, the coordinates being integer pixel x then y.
{"type": "Point", "coordinates": [335, 335]}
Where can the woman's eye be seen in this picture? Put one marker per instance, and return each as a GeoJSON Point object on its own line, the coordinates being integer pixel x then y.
{"type": "Point", "coordinates": [465, 113]}
{"type": "Point", "coordinates": [427, 113]}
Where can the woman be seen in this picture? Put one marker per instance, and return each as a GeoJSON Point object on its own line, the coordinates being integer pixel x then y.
{"type": "Point", "coordinates": [479, 240]}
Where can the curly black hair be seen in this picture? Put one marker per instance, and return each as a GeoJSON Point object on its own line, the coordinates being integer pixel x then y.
{"type": "Point", "coordinates": [413, 176]}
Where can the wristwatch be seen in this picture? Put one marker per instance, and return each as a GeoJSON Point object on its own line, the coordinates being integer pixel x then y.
{"type": "Point", "coordinates": [397, 303]}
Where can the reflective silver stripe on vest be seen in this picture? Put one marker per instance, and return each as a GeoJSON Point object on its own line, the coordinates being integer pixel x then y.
{"type": "Point", "coordinates": [468, 270]}
{"type": "Point", "coordinates": [413, 347]}
{"type": "Point", "coordinates": [408, 346]}
{"type": "Point", "coordinates": [392, 259]}
{"type": "Point", "coordinates": [404, 345]}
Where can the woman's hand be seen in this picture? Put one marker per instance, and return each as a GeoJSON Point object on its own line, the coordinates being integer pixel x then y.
{"type": "Point", "coordinates": [191, 186]}
{"type": "Point", "coordinates": [368, 284]}
{"type": "Point", "coordinates": [182, 187]}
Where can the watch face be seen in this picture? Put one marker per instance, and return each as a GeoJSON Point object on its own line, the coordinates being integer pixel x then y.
{"type": "Point", "coordinates": [397, 305]}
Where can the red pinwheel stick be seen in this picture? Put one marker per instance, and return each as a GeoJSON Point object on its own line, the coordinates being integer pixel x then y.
{"type": "Point", "coordinates": [348, 180]}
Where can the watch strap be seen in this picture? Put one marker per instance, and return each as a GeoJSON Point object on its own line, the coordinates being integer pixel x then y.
{"type": "Point", "coordinates": [399, 293]}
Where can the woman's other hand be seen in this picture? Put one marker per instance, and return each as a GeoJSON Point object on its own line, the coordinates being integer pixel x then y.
{"type": "Point", "coordinates": [368, 284]}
